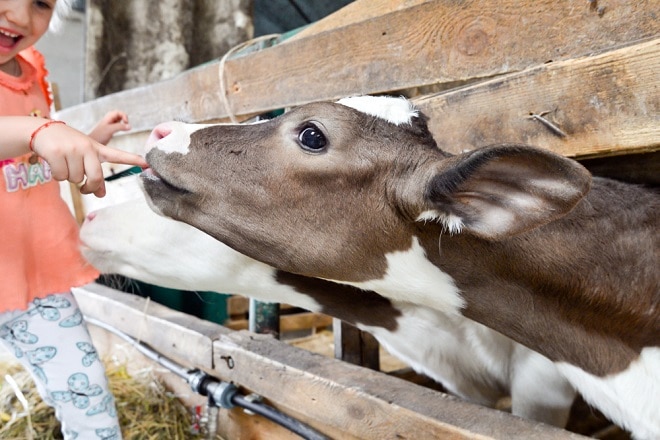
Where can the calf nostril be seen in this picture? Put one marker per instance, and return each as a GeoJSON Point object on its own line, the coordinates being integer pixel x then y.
{"type": "Point", "coordinates": [158, 133]}
{"type": "Point", "coordinates": [90, 216]}
{"type": "Point", "coordinates": [162, 131]}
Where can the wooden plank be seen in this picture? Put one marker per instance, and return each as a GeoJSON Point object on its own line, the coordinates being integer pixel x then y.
{"type": "Point", "coordinates": [605, 104]}
{"type": "Point", "coordinates": [342, 400]}
{"type": "Point", "coordinates": [355, 12]}
{"type": "Point", "coordinates": [433, 42]}
{"type": "Point", "coordinates": [237, 305]}
{"type": "Point", "coordinates": [355, 346]}
{"type": "Point", "coordinates": [290, 323]}
{"type": "Point", "coordinates": [304, 321]}
{"type": "Point", "coordinates": [232, 424]}
{"type": "Point", "coordinates": [350, 402]}
{"type": "Point", "coordinates": [183, 338]}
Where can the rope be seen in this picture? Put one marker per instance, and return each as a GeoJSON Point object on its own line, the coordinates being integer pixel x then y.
{"type": "Point", "coordinates": [224, 97]}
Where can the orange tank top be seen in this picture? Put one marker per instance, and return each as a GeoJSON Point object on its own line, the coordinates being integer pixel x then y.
{"type": "Point", "coordinates": [39, 244]}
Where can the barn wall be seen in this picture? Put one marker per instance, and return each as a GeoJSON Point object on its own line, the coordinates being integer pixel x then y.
{"type": "Point", "coordinates": [136, 42]}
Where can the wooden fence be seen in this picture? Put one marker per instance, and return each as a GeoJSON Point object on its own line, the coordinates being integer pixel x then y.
{"type": "Point", "coordinates": [341, 400]}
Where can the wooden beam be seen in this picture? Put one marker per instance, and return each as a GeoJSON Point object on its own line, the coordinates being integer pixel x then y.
{"type": "Point", "coordinates": [432, 42]}
{"type": "Point", "coordinates": [232, 424]}
{"type": "Point", "coordinates": [429, 43]}
{"type": "Point", "coordinates": [355, 346]}
{"type": "Point", "coordinates": [603, 105]}
{"type": "Point", "coordinates": [355, 12]}
{"type": "Point", "coordinates": [176, 335]}
{"type": "Point", "coordinates": [350, 402]}
{"type": "Point", "coordinates": [339, 399]}
{"type": "Point", "coordinates": [290, 323]}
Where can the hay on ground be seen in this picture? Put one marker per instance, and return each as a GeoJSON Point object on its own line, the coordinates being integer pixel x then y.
{"type": "Point", "coordinates": [146, 409]}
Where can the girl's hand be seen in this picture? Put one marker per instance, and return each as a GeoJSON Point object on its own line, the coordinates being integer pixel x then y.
{"type": "Point", "coordinates": [76, 157]}
{"type": "Point", "coordinates": [110, 124]}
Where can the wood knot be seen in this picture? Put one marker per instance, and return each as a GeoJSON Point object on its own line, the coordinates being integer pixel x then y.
{"type": "Point", "coordinates": [475, 37]}
{"type": "Point", "coordinates": [356, 412]}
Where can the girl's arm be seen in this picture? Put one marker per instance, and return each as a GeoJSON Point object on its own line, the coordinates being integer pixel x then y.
{"type": "Point", "coordinates": [71, 154]}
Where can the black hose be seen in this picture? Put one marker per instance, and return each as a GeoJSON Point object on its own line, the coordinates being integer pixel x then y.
{"type": "Point", "coordinates": [293, 425]}
{"type": "Point", "coordinates": [207, 385]}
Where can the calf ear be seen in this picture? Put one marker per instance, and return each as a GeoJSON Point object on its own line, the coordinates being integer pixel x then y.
{"type": "Point", "coordinates": [496, 192]}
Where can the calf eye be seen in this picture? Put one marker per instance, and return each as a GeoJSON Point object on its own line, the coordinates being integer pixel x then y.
{"type": "Point", "coordinates": [312, 139]}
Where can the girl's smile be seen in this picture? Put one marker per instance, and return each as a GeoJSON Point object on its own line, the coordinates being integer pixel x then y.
{"type": "Point", "coordinates": [22, 23]}
{"type": "Point", "coordinates": [8, 39]}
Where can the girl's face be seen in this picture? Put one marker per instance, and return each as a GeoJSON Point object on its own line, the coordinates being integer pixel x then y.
{"type": "Point", "coordinates": [22, 23]}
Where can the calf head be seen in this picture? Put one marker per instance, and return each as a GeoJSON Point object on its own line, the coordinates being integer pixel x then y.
{"type": "Point", "coordinates": [330, 184]}
{"type": "Point", "coordinates": [357, 192]}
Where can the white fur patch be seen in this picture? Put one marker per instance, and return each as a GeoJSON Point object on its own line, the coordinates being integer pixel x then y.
{"type": "Point", "coordinates": [477, 363]}
{"type": "Point", "coordinates": [397, 110]}
{"type": "Point", "coordinates": [178, 140]}
{"type": "Point", "coordinates": [131, 234]}
{"type": "Point", "coordinates": [630, 398]}
{"type": "Point", "coordinates": [452, 223]}
{"type": "Point", "coordinates": [454, 362]}
{"type": "Point", "coordinates": [411, 277]}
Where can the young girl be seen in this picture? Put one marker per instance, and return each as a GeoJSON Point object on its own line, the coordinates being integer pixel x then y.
{"type": "Point", "coordinates": [40, 321]}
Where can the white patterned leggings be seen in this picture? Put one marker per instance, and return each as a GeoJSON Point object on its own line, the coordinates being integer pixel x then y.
{"type": "Point", "coordinates": [52, 342]}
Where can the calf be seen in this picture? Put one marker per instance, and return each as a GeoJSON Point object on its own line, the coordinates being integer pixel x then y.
{"type": "Point", "coordinates": [513, 237]}
{"type": "Point", "coordinates": [469, 359]}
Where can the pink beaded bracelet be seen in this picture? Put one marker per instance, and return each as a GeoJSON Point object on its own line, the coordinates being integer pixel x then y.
{"type": "Point", "coordinates": [41, 127]}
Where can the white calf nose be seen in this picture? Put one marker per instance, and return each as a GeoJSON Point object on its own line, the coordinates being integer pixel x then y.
{"type": "Point", "coordinates": [158, 133]}
{"type": "Point", "coordinates": [171, 137]}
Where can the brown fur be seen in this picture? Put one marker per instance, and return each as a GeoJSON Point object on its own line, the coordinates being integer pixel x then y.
{"type": "Point", "coordinates": [574, 289]}
{"type": "Point", "coordinates": [346, 302]}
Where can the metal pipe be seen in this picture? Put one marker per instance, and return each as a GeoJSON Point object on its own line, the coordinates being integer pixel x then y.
{"type": "Point", "coordinates": [174, 367]}
{"type": "Point", "coordinates": [220, 393]}
{"type": "Point", "coordinates": [264, 318]}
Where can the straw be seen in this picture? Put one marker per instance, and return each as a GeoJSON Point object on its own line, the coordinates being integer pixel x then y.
{"type": "Point", "coordinates": [147, 410]}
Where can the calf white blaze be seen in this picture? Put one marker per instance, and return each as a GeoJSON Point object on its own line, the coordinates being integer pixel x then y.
{"type": "Point", "coordinates": [396, 111]}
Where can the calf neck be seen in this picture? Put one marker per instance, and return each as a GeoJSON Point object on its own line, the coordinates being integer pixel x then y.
{"type": "Point", "coordinates": [514, 237]}
{"type": "Point", "coordinates": [470, 360]}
